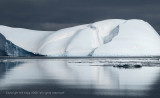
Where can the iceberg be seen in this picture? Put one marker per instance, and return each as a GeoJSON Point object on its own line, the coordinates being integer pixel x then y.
{"type": "Point", "coordinates": [107, 38]}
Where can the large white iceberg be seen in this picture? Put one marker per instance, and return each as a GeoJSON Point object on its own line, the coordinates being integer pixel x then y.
{"type": "Point", "coordinates": [108, 38]}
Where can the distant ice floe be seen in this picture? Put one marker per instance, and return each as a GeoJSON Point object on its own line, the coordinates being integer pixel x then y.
{"type": "Point", "coordinates": [108, 38]}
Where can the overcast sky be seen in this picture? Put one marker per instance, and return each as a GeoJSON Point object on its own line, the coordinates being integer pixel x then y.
{"type": "Point", "coordinates": [57, 14]}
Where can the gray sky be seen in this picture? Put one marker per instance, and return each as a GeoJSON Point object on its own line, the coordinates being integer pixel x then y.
{"type": "Point", "coordinates": [57, 14]}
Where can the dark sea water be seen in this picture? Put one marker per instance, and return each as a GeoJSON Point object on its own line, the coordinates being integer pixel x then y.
{"type": "Point", "coordinates": [79, 78]}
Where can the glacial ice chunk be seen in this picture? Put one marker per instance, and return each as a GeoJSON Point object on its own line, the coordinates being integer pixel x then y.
{"type": "Point", "coordinates": [108, 38]}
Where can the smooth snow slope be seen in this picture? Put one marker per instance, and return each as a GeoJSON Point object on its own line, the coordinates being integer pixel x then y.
{"type": "Point", "coordinates": [29, 40]}
{"type": "Point", "coordinates": [113, 37]}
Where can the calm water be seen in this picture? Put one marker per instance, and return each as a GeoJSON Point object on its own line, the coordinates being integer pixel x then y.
{"type": "Point", "coordinates": [77, 78]}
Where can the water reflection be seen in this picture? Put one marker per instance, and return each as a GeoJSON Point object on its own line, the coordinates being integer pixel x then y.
{"type": "Point", "coordinates": [78, 77]}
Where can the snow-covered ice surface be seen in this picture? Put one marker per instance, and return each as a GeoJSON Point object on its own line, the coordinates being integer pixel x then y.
{"type": "Point", "coordinates": [108, 38]}
{"type": "Point", "coordinates": [135, 38]}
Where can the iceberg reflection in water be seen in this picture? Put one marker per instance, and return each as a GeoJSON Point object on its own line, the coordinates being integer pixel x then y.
{"type": "Point", "coordinates": [80, 76]}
